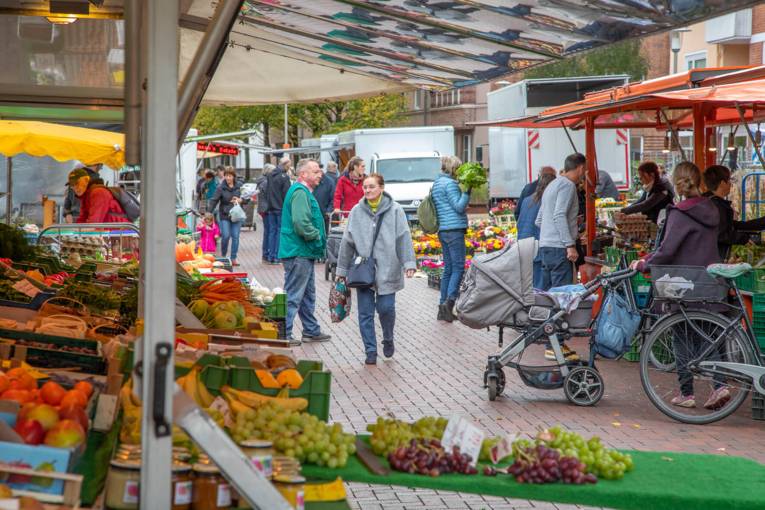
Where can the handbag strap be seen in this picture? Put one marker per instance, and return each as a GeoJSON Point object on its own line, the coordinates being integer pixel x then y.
{"type": "Point", "coordinates": [377, 231]}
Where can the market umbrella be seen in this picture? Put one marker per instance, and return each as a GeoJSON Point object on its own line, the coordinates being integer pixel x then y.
{"type": "Point", "coordinates": [62, 143]}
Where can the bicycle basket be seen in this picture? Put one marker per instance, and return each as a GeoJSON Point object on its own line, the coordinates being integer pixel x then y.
{"type": "Point", "coordinates": [547, 377]}
{"type": "Point", "coordinates": [686, 283]}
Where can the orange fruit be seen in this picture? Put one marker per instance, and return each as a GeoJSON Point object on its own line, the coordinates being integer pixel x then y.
{"type": "Point", "coordinates": [74, 397]}
{"type": "Point", "coordinates": [52, 393]}
{"type": "Point", "coordinates": [85, 387]}
{"type": "Point", "coordinates": [25, 380]}
{"type": "Point", "coordinates": [4, 383]}
{"type": "Point", "coordinates": [20, 396]}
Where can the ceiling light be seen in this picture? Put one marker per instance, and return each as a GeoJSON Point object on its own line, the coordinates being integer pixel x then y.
{"type": "Point", "coordinates": [712, 147]}
{"type": "Point", "coordinates": [61, 20]}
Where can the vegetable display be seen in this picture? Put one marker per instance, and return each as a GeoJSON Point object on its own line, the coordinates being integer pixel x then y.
{"type": "Point", "coordinates": [471, 175]}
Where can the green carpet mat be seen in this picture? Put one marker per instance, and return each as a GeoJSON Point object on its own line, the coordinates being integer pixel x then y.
{"type": "Point", "coordinates": [659, 481]}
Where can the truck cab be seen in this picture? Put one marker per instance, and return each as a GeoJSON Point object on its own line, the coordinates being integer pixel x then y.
{"type": "Point", "coordinates": [408, 176]}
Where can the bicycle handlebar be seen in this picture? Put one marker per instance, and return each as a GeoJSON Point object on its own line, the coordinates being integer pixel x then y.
{"type": "Point", "coordinates": [621, 274]}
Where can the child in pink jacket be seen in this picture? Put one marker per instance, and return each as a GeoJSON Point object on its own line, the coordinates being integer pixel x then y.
{"type": "Point", "coordinates": [210, 233]}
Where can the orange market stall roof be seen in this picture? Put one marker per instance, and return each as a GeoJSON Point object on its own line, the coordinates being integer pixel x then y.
{"type": "Point", "coordinates": [62, 143]}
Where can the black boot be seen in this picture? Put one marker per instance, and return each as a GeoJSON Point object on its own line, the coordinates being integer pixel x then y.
{"type": "Point", "coordinates": [441, 315]}
{"type": "Point", "coordinates": [448, 310]}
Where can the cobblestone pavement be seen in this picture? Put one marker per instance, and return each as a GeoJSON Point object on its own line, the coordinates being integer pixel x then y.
{"type": "Point", "coordinates": [438, 369]}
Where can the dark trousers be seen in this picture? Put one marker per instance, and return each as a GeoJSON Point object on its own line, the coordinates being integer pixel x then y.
{"type": "Point", "coordinates": [273, 225]}
{"type": "Point", "coordinates": [557, 270]}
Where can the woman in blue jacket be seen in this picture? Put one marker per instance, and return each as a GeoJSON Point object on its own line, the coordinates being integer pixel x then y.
{"type": "Point", "coordinates": [528, 209]}
{"type": "Point", "coordinates": [451, 201]}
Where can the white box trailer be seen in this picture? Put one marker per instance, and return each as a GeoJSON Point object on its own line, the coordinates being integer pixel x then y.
{"type": "Point", "coordinates": [517, 154]}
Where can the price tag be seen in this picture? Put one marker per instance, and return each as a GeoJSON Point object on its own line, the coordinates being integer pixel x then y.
{"type": "Point", "coordinates": [26, 288]}
{"type": "Point", "coordinates": [503, 449]}
{"type": "Point", "coordinates": [461, 432]}
{"type": "Point", "coordinates": [221, 405]}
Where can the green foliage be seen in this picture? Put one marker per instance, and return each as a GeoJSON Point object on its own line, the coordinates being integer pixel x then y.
{"type": "Point", "coordinates": [619, 58]}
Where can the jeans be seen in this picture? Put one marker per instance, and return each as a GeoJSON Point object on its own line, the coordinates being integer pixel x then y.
{"type": "Point", "coordinates": [229, 230]}
{"type": "Point", "coordinates": [273, 226]}
{"type": "Point", "coordinates": [537, 273]}
{"type": "Point", "coordinates": [368, 300]}
{"type": "Point", "coordinates": [300, 286]}
{"type": "Point", "coordinates": [453, 247]}
{"type": "Point", "coordinates": [266, 234]}
{"type": "Point", "coordinates": [557, 270]}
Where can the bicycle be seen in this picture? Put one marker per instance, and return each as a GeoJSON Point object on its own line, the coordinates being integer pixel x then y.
{"type": "Point", "coordinates": [703, 350]}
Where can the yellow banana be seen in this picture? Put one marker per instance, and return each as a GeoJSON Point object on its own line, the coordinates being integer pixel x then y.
{"type": "Point", "coordinates": [204, 394]}
{"type": "Point", "coordinates": [255, 400]}
{"type": "Point", "coordinates": [235, 405]}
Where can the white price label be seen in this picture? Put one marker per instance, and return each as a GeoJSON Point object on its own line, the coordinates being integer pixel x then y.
{"type": "Point", "coordinates": [224, 496]}
{"type": "Point", "coordinates": [182, 493]}
{"type": "Point", "coordinates": [504, 448]}
{"type": "Point", "coordinates": [130, 496]}
{"type": "Point", "coordinates": [221, 405]}
{"type": "Point", "coordinates": [26, 288]}
{"type": "Point", "coordinates": [461, 432]}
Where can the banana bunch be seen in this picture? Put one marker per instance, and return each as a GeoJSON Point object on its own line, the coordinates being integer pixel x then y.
{"type": "Point", "coordinates": [195, 388]}
{"type": "Point", "coordinates": [240, 400]}
{"type": "Point", "coordinates": [130, 433]}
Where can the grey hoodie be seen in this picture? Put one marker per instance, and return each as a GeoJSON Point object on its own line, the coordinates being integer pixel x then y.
{"type": "Point", "coordinates": [393, 251]}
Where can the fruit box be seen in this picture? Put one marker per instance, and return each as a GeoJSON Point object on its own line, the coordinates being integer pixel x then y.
{"type": "Point", "coordinates": [315, 388]}
{"type": "Point", "coordinates": [14, 453]}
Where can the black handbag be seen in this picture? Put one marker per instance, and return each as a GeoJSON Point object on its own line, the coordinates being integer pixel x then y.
{"type": "Point", "coordinates": [361, 274]}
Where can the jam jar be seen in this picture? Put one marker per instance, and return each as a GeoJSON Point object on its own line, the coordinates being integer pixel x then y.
{"type": "Point", "coordinates": [211, 490]}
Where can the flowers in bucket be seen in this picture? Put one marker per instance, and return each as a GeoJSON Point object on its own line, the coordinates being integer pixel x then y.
{"type": "Point", "coordinates": [503, 208]}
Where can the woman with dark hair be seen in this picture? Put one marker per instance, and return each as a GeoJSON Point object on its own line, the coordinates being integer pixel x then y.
{"type": "Point", "coordinates": [657, 193]}
{"type": "Point", "coordinates": [227, 195]}
{"type": "Point", "coordinates": [349, 189]}
{"type": "Point", "coordinates": [529, 208]}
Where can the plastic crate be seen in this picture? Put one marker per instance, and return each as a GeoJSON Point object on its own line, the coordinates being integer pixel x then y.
{"type": "Point", "coordinates": [316, 385]}
{"type": "Point", "coordinates": [641, 284]}
{"type": "Point", "coordinates": [214, 373]}
{"type": "Point", "coordinates": [753, 281]}
{"type": "Point", "coordinates": [758, 406]}
{"type": "Point", "coordinates": [634, 353]}
{"type": "Point", "coordinates": [641, 299]}
{"type": "Point", "coordinates": [35, 304]}
{"type": "Point", "coordinates": [614, 254]}
{"type": "Point", "coordinates": [277, 309]}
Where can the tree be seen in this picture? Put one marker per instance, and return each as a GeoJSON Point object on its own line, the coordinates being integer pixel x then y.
{"type": "Point", "coordinates": [619, 58]}
{"type": "Point", "coordinates": [228, 119]}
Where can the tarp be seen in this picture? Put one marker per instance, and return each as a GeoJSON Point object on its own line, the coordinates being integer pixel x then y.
{"type": "Point", "coordinates": [62, 143]}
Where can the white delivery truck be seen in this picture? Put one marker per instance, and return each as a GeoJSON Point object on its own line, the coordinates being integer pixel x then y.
{"type": "Point", "coordinates": [517, 154]}
{"type": "Point", "coordinates": [409, 158]}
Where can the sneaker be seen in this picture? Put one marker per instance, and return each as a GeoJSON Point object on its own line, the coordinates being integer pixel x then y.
{"type": "Point", "coordinates": [388, 348]}
{"type": "Point", "coordinates": [321, 337]}
{"type": "Point", "coordinates": [568, 353]}
{"type": "Point", "coordinates": [371, 359]}
{"type": "Point", "coordinates": [718, 398]}
{"type": "Point", "coordinates": [292, 341]}
{"type": "Point", "coordinates": [684, 401]}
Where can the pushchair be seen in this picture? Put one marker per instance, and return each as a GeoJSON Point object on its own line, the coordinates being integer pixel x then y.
{"type": "Point", "coordinates": [497, 291]}
{"type": "Point", "coordinates": [334, 237]}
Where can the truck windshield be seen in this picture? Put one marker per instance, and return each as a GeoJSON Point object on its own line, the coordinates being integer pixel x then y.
{"type": "Point", "coordinates": [409, 169]}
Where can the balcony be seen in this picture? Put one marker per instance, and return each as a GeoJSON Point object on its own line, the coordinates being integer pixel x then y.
{"type": "Point", "coordinates": [733, 28]}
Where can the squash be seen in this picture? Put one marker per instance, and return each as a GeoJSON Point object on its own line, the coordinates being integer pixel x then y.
{"type": "Point", "coordinates": [291, 378]}
{"type": "Point", "coordinates": [267, 380]}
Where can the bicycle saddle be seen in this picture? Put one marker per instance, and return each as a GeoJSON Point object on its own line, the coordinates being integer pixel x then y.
{"type": "Point", "coordinates": [728, 270]}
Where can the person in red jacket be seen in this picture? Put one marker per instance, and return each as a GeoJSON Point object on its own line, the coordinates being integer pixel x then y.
{"type": "Point", "coordinates": [349, 190]}
{"type": "Point", "coordinates": [97, 203]}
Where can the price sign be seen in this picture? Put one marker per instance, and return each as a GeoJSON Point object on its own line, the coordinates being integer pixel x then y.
{"type": "Point", "coordinates": [461, 432]}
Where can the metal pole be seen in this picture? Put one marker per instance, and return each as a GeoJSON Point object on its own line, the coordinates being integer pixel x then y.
{"type": "Point", "coordinates": [751, 137]}
{"type": "Point", "coordinates": [590, 180]}
{"type": "Point", "coordinates": [9, 191]}
{"type": "Point", "coordinates": [133, 79]}
{"type": "Point", "coordinates": [568, 135]}
{"type": "Point", "coordinates": [286, 124]}
{"type": "Point", "coordinates": [699, 135]}
{"type": "Point", "coordinates": [160, 123]}
{"type": "Point", "coordinates": [673, 132]}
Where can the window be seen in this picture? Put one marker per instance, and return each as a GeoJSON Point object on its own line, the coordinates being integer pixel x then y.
{"type": "Point", "coordinates": [417, 104]}
{"type": "Point", "coordinates": [467, 148]}
{"type": "Point", "coordinates": [479, 154]}
{"type": "Point", "coordinates": [696, 60]}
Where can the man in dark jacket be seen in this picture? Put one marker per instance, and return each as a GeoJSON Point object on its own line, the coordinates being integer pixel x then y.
{"type": "Point", "coordinates": [606, 187]}
{"type": "Point", "coordinates": [730, 231]}
{"type": "Point", "coordinates": [530, 188]}
{"type": "Point", "coordinates": [277, 186]}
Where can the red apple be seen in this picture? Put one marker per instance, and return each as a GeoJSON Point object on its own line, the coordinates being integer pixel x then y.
{"type": "Point", "coordinates": [76, 413]}
{"type": "Point", "coordinates": [65, 434]}
{"type": "Point", "coordinates": [45, 414]}
{"type": "Point", "coordinates": [31, 431]}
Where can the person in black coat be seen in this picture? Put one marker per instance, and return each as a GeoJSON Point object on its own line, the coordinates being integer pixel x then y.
{"type": "Point", "coordinates": [531, 188]}
{"type": "Point", "coordinates": [227, 195]}
{"type": "Point", "coordinates": [277, 186]}
{"type": "Point", "coordinates": [657, 193]}
{"type": "Point", "coordinates": [730, 231]}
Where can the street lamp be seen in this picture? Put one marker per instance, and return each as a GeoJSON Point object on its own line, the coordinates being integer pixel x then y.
{"type": "Point", "coordinates": [674, 43]}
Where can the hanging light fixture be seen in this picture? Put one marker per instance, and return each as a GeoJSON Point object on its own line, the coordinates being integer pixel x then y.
{"type": "Point", "coordinates": [731, 141]}
{"type": "Point", "coordinates": [712, 143]}
{"type": "Point", "coordinates": [758, 136]}
{"type": "Point", "coordinates": [665, 150]}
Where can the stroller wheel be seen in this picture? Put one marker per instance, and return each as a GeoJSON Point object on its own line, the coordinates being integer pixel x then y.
{"type": "Point", "coordinates": [495, 383]}
{"type": "Point", "coordinates": [584, 386]}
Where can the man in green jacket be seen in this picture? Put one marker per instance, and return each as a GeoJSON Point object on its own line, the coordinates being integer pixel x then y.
{"type": "Point", "coordinates": [302, 241]}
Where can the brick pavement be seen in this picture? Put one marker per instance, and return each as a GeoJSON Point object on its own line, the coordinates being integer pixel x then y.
{"type": "Point", "coordinates": [438, 369]}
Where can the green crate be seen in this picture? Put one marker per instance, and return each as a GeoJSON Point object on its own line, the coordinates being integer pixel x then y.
{"type": "Point", "coordinates": [277, 309]}
{"type": "Point", "coordinates": [315, 388]}
{"type": "Point", "coordinates": [634, 353]}
{"type": "Point", "coordinates": [641, 284]}
{"type": "Point", "coordinates": [43, 357]}
{"type": "Point", "coordinates": [614, 255]}
{"type": "Point", "coordinates": [753, 281]}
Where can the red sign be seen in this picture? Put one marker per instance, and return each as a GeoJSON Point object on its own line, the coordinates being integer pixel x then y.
{"type": "Point", "coordinates": [218, 148]}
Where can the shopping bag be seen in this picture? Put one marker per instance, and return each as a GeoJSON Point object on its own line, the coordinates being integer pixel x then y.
{"type": "Point", "coordinates": [339, 301]}
{"type": "Point", "coordinates": [237, 214]}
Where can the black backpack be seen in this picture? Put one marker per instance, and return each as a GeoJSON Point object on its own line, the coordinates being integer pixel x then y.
{"type": "Point", "coordinates": [129, 203]}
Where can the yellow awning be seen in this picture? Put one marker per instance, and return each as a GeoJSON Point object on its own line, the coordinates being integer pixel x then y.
{"type": "Point", "coordinates": [62, 143]}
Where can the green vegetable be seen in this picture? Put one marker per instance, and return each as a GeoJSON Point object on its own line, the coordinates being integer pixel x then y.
{"type": "Point", "coordinates": [14, 245]}
{"type": "Point", "coordinates": [471, 175]}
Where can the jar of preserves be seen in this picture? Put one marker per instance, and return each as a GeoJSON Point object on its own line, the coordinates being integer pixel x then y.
{"type": "Point", "coordinates": [261, 454]}
{"type": "Point", "coordinates": [292, 488]}
{"type": "Point", "coordinates": [182, 486]}
{"type": "Point", "coordinates": [122, 483]}
{"type": "Point", "coordinates": [210, 491]}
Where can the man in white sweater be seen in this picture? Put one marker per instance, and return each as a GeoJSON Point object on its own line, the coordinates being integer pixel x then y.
{"type": "Point", "coordinates": [557, 221]}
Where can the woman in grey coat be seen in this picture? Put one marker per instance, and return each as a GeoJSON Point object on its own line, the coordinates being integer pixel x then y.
{"type": "Point", "coordinates": [394, 257]}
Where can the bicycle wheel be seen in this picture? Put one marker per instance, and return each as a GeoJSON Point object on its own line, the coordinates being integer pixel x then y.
{"type": "Point", "coordinates": [675, 343]}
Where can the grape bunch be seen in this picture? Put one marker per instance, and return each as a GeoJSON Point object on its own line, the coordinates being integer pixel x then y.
{"type": "Point", "coordinates": [296, 434]}
{"type": "Point", "coordinates": [390, 434]}
{"type": "Point", "coordinates": [600, 461]}
{"type": "Point", "coordinates": [541, 464]}
{"type": "Point", "coordinates": [428, 457]}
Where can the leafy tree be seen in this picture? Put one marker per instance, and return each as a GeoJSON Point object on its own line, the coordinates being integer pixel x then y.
{"type": "Point", "coordinates": [619, 58]}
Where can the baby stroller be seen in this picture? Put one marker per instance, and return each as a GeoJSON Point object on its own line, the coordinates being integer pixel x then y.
{"type": "Point", "coordinates": [334, 237]}
{"type": "Point", "coordinates": [497, 291]}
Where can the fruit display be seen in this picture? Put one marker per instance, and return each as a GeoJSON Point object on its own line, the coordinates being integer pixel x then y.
{"type": "Point", "coordinates": [263, 295]}
{"type": "Point", "coordinates": [428, 457]}
{"type": "Point", "coordinates": [95, 297]}
{"type": "Point", "coordinates": [541, 464]}
{"type": "Point", "coordinates": [294, 433]}
{"type": "Point", "coordinates": [750, 253]}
